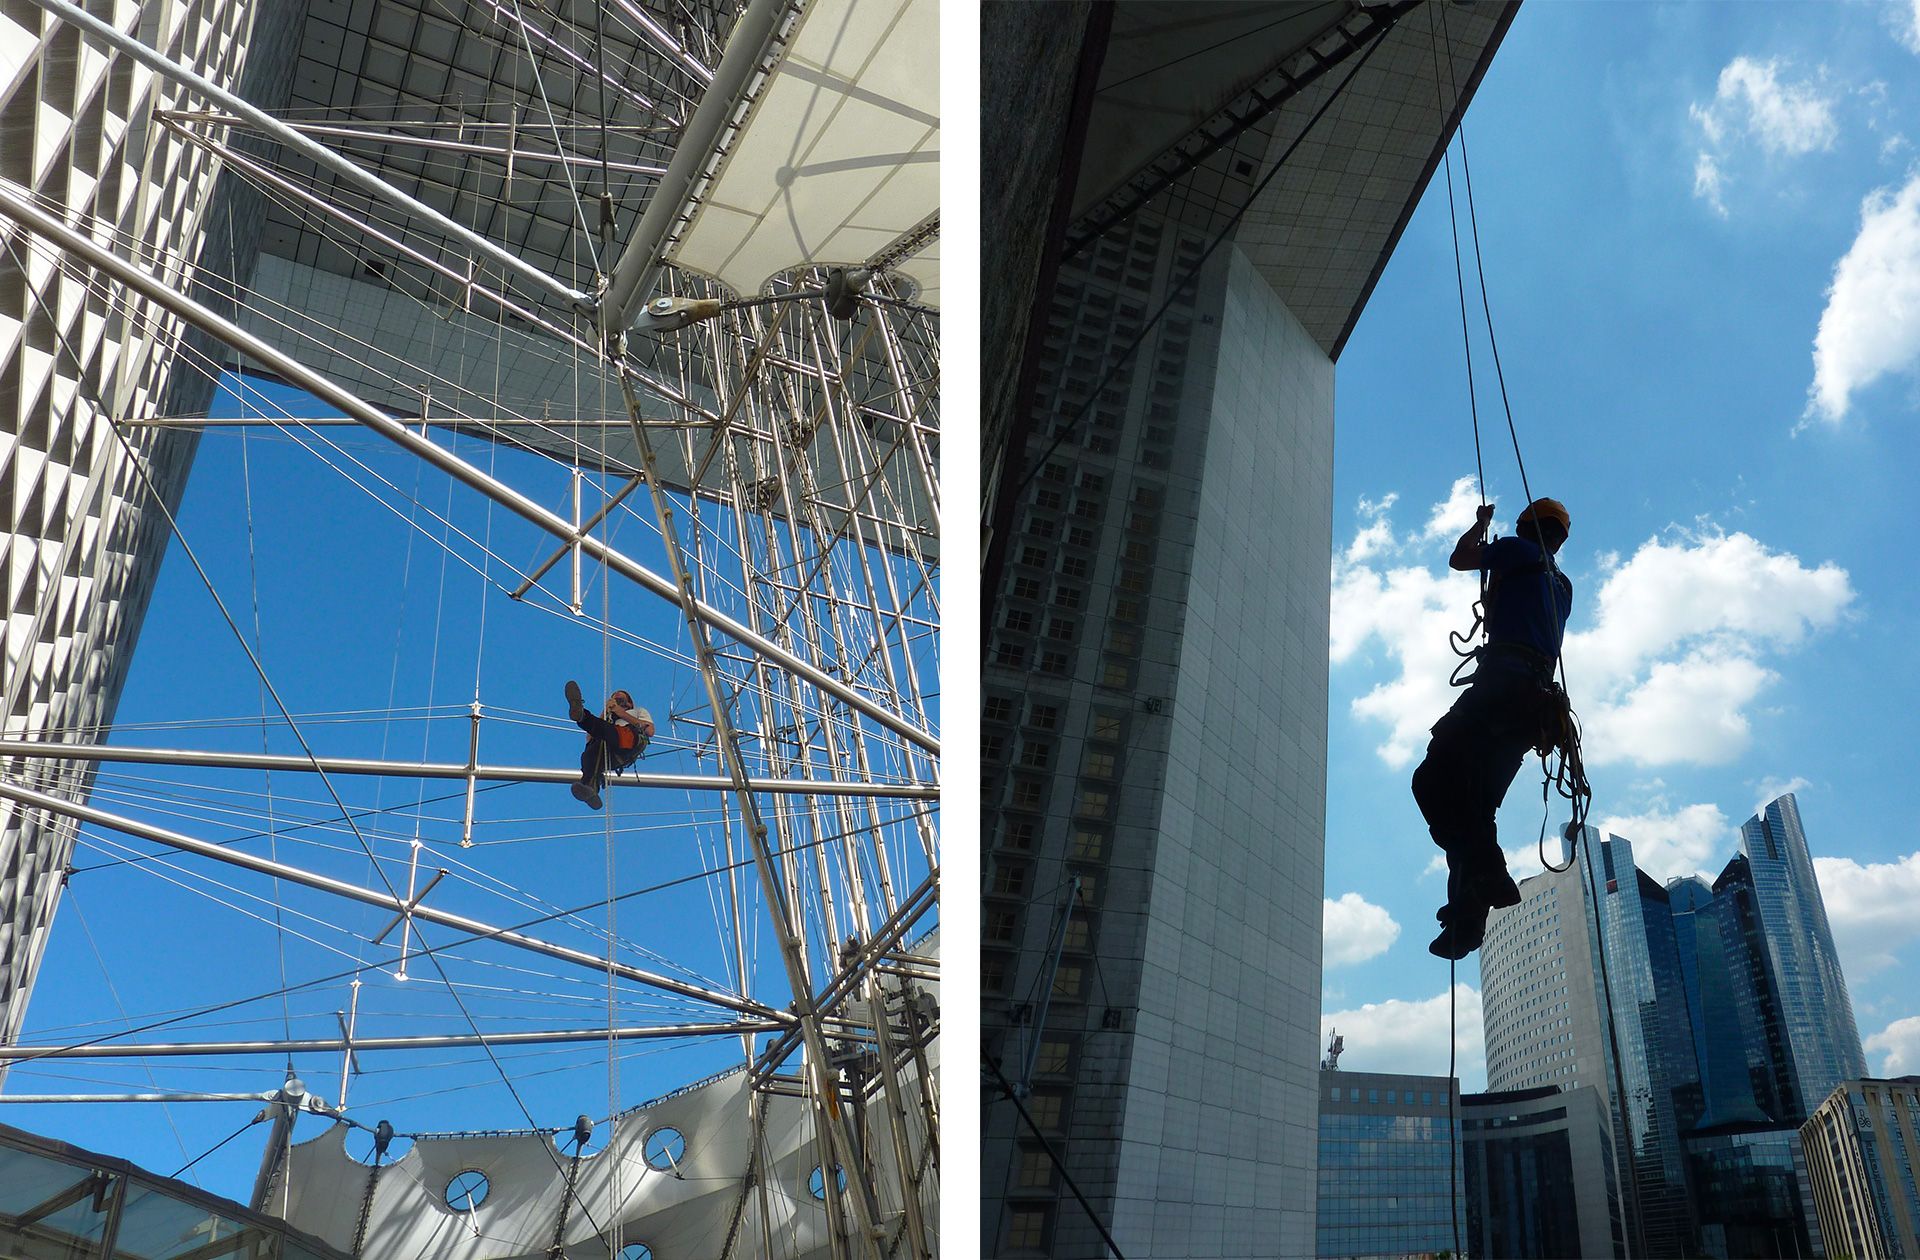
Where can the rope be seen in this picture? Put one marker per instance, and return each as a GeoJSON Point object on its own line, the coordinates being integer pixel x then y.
{"type": "Point", "coordinates": [1453, 1106]}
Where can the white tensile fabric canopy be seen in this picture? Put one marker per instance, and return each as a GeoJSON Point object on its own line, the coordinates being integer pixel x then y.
{"type": "Point", "coordinates": [839, 156]}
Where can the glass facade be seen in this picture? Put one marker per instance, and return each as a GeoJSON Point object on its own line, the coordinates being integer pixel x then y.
{"type": "Point", "coordinates": [1386, 1167]}
{"type": "Point", "coordinates": [1751, 1193]}
{"type": "Point", "coordinates": [61, 1203]}
{"type": "Point", "coordinates": [1815, 1008]}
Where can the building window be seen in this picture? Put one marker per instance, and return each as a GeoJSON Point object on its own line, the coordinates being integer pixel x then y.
{"type": "Point", "coordinates": [1053, 661]}
{"type": "Point", "coordinates": [1025, 587]}
{"type": "Point", "coordinates": [1019, 620]}
{"type": "Point", "coordinates": [1028, 793]}
{"type": "Point", "coordinates": [1093, 803]}
{"type": "Point", "coordinates": [1128, 608]}
{"type": "Point", "coordinates": [1079, 537]}
{"type": "Point", "coordinates": [1063, 628]}
{"type": "Point", "coordinates": [1001, 926]}
{"type": "Point", "coordinates": [1068, 597]}
{"type": "Point", "coordinates": [1107, 725]}
{"type": "Point", "coordinates": [1100, 765]}
{"type": "Point", "coordinates": [1054, 1056]}
{"type": "Point", "coordinates": [1087, 845]}
{"type": "Point", "coordinates": [1089, 888]}
{"type": "Point", "coordinates": [1010, 654]}
{"type": "Point", "coordinates": [1010, 880]}
{"type": "Point", "coordinates": [1018, 833]}
{"type": "Point", "coordinates": [1027, 1229]}
{"type": "Point", "coordinates": [1073, 566]}
{"type": "Point", "coordinates": [1067, 981]}
{"type": "Point", "coordinates": [1044, 717]}
{"type": "Point", "coordinates": [1116, 673]}
{"type": "Point", "coordinates": [998, 709]}
{"type": "Point", "coordinates": [1036, 1170]}
{"type": "Point", "coordinates": [1124, 641]}
{"type": "Point", "coordinates": [1135, 580]}
{"type": "Point", "coordinates": [1046, 1108]}
{"type": "Point", "coordinates": [1035, 556]}
{"type": "Point", "coordinates": [994, 971]}
{"type": "Point", "coordinates": [1078, 936]}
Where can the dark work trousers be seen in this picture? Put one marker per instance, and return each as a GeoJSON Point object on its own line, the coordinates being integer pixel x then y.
{"type": "Point", "coordinates": [1477, 748]}
{"type": "Point", "coordinates": [603, 751]}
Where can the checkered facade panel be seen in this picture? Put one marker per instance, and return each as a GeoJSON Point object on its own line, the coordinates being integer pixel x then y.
{"type": "Point", "coordinates": [84, 537]}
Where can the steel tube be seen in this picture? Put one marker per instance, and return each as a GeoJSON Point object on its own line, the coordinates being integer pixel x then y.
{"type": "Point", "coordinates": [366, 896]}
{"type": "Point", "coordinates": [316, 153]}
{"type": "Point", "coordinates": [639, 263]}
{"type": "Point", "coordinates": [445, 770]}
{"type": "Point", "coordinates": [366, 1045]}
{"type": "Point", "coordinates": [24, 212]}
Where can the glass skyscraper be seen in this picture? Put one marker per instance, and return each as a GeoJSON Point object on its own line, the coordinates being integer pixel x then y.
{"type": "Point", "coordinates": [1388, 1161]}
{"type": "Point", "coordinates": [1816, 1012]}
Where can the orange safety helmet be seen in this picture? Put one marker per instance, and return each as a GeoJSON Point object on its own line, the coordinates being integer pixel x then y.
{"type": "Point", "coordinates": [1546, 510]}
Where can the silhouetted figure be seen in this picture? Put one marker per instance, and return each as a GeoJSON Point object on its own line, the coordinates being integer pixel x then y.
{"type": "Point", "coordinates": [1477, 747]}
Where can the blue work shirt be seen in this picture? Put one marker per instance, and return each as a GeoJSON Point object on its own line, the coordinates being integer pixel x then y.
{"type": "Point", "coordinates": [1517, 610]}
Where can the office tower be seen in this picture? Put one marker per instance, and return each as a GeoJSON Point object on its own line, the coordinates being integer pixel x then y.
{"type": "Point", "coordinates": [80, 500]}
{"type": "Point", "coordinates": [1863, 1157]}
{"type": "Point", "coordinates": [1751, 1193]}
{"type": "Point", "coordinates": [1157, 587]}
{"type": "Point", "coordinates": [1539, 1174]}
{"type": "Point", "coordinates": [1815, 1010]}
{"type": "Point", "coordinates": [1388, 1163]}
{"type": "Point", "coordinates": [1551, 969]}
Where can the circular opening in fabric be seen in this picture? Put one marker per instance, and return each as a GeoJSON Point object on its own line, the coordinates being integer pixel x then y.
{"type": "Point", "coordinates": [666, 1147]}
{"type": "Point", "coordinates": [818, 1182]}
{"type": "Point", "coordinates": [636, 1251]}
{"type": "Point", "coordinates": [467, 1190]}
{"type": "Point", "coordinates": [359, 1146]}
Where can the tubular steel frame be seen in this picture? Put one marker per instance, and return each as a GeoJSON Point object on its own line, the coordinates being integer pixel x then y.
{"type": "Point", "coordinates": [804, 545]}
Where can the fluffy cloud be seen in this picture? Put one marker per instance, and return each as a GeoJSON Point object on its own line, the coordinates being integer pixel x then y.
{"type": "Point", "coordinates": [1411, 1037]}
{"type": "Point", "coordinates": [1870, 909]}
{"type": "Point", "coordinates": [1669, 842]}
{"type": "Point", "coordinates": [1667, 673]}
{"type": "Point", "coordinates": [1906, 23]}
{"type": "Point", "coordinates": [1753, 101]}
{"type": "Point", "coordinates": [1900, 1043]}
{"type": "Point", "coordinates": [1356, 930]}
{"type": "Point", "coordinates": [1871, 325]}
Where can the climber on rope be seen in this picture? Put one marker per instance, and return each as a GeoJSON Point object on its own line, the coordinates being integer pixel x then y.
{"type": "Point", "coordinates": [615, 740]}
{"type": "Point", "coordinates": [1478, 745]}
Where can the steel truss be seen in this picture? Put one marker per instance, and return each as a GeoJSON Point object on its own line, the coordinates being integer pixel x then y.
{"type": "Point", "coordinates": [790, 459]}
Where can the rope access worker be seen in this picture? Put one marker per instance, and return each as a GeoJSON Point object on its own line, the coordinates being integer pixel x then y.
{"type": "Point", "coordinates": [1478, 745]}
{"type": "Point", "coordinates": [615, 740]}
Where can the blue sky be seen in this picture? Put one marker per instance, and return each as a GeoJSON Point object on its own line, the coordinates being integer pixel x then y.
{"type": "Point", "coordinates": [1701, 234]}
{"type": "Point", "coordinates": [365, 616]}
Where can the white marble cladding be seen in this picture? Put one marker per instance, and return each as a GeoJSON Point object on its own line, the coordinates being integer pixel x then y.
{"type": "Point", "coordinates": [1218, 1148]}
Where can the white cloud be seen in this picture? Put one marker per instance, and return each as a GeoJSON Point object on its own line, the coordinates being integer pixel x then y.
{"type": "Point", "coordinates": [1667, 673]}
{"type": "Point", "coordinates": [1411, 1037]}
{"type": "Point", "coordinates": [1771, 790]}
{"type": "Point", "coordinates": [1355, 930]}
{"type": "Point", "coordinates": [1451, 516]}
{"type": "Point", "coordinates": [1786, 118]}
{"type": "Point", "coordinates": [1870, 908]}
{"type": "Point", "coordinates": [1906, 24]}
{"type": "Point", "coordinates": [1669, 842]}
{"type": "Point", "coordinates": [1900, 1043]}
{"type": "Point", "coordinates": [1707, 183]}
{"type": "Point", "coordinates": [1871, 325]}
{"type": "Point", "coordinates": [1753, 101]}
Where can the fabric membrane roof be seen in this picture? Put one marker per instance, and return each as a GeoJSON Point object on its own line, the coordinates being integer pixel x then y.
{"type": "Point", "coordinates": [838, 159]}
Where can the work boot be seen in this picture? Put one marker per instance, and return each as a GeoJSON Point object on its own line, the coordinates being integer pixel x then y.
{"type": "Point", "coordinates": [576, 704]}
{"type": "Point", "coordinates": [584, 793]}
{"type": "Point", "coordinates": [1461, 931]}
